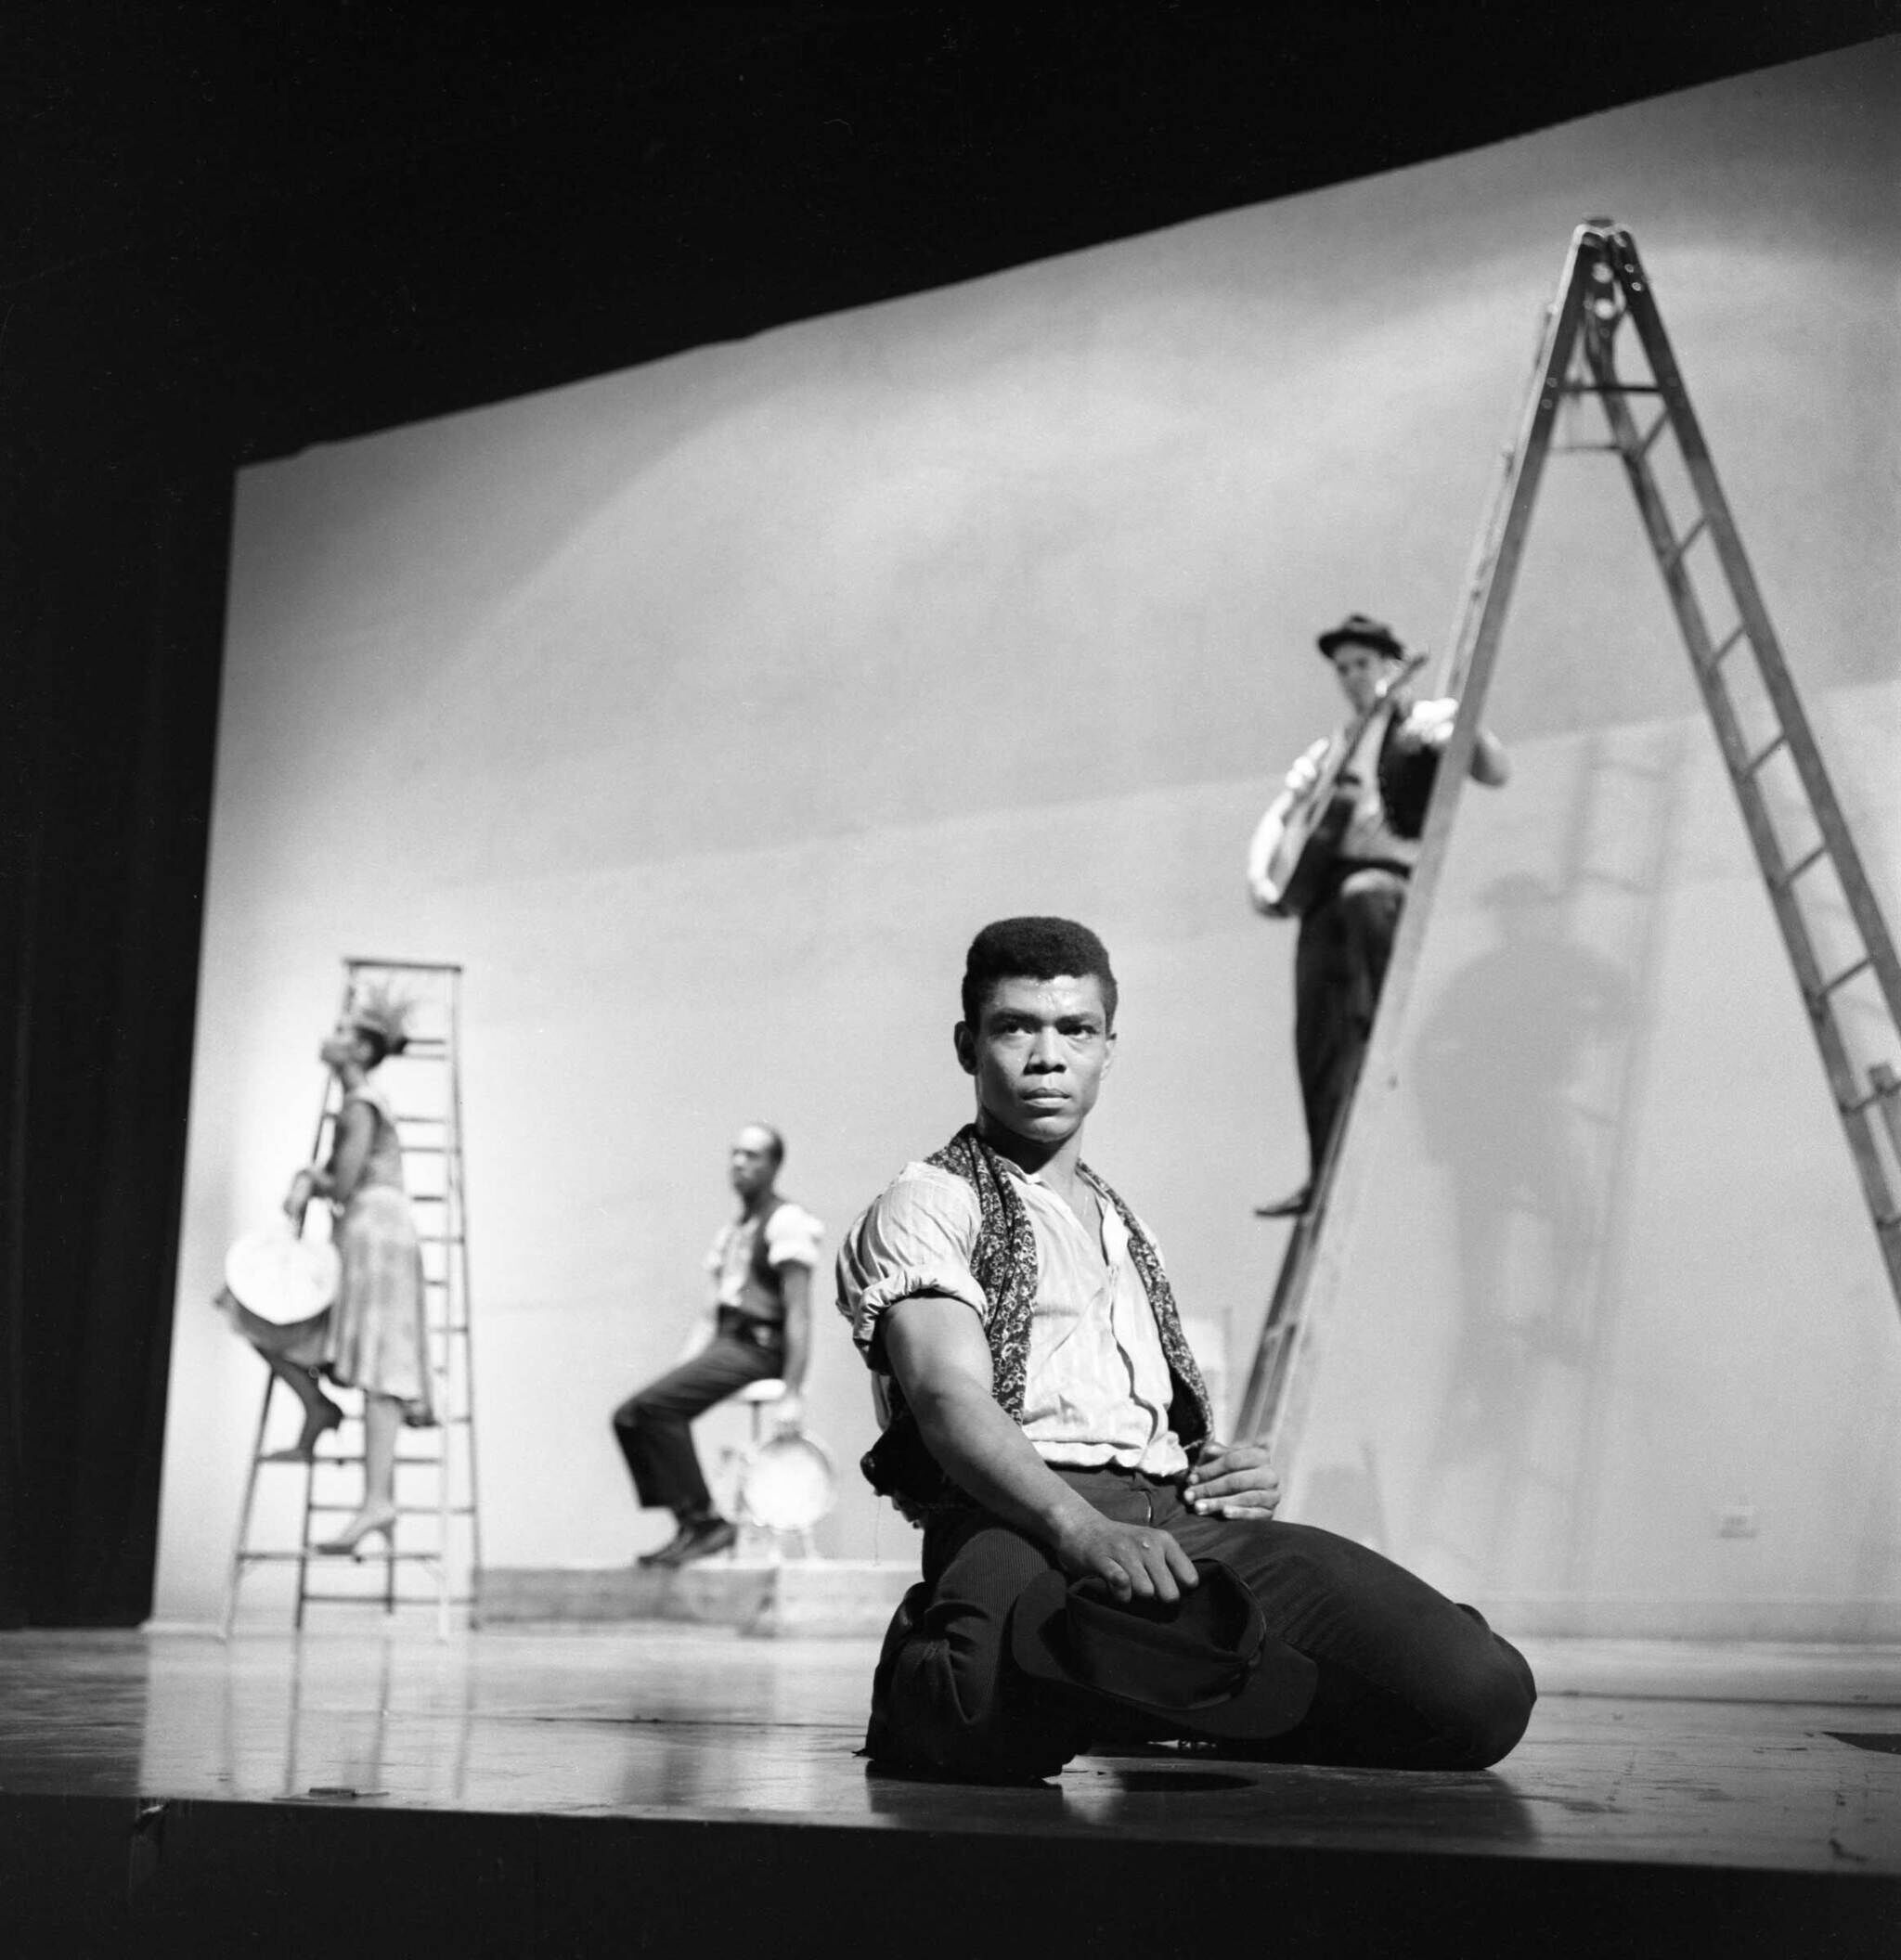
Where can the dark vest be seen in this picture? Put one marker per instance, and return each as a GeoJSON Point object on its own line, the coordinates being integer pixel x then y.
{"type": "Point", "coordinates": [762, 1294]}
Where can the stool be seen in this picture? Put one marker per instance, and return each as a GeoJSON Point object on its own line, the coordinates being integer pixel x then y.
{"type": "Point", "coordinates": [755, 1396]}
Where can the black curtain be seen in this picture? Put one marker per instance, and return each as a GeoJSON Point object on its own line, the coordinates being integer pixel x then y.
{"type": "Point", "coordinates": [115, 501]}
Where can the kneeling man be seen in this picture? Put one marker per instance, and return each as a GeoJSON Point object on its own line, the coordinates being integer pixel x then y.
{"type": "Point", "coordinates": [1045, 1414]}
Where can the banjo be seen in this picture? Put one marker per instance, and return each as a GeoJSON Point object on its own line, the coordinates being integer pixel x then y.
{"type": "Point", "coordinates": [1314, 828]}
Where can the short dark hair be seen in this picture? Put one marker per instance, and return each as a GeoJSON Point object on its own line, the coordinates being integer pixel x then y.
{"type": "Point", "coordinates": [1033, 948]}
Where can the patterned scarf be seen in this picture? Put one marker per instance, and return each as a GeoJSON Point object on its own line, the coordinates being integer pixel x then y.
{"type": "Point", "coordinates": [1004, 1262]}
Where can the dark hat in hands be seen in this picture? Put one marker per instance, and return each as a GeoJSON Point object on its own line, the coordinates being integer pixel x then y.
{"type": "Point", "coordinates": [1202, 1666]}
{"type": "Point", "coordinates": [1356, 629]}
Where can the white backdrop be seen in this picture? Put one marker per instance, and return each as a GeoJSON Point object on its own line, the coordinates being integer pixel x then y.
{"type": "Point", "coordinates": [703, 711]}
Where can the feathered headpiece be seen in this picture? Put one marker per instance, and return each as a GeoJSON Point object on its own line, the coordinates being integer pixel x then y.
{"type": "Point", "coordinates": [375, 1008]}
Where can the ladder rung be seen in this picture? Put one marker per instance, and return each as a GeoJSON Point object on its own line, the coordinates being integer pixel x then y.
{"type": "Point", "coordinates": [1719, 654]}
{"type": "Point", "coordinates": [1687, 540]}
{"type": "Point", "coordinates": [1653, 431]}
{"type": "Point", "coordinates": [1878, 1093]}
{"type": "Point", "coordinates": [1801, 865]}
{"type": "Point", "coordinates": [1763, 753]}
{"type": "Point", "coordinates": [1843, 977]}
{"type": "Point", "coordinates": [1612, 388]}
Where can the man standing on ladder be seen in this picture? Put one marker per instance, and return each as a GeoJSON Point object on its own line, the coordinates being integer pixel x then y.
{"type": "Point", "coordinates": [1336, 848]}
{"type": "Point", "coordinates": [757, 1327]}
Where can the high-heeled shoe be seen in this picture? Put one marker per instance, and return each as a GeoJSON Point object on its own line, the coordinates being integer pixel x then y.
{"type": "Point", "coordinates": [304, 1451]}
{"type": "Point", "coordinates": [365, 1524]}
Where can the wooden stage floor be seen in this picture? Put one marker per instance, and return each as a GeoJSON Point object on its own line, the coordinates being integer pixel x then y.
{"type": "Point", "coordinates": [666, 1789]}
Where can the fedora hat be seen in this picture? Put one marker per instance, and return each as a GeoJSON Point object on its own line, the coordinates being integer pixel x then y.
{"type": "Point", "coordinates": [1357, 629]}
{"type": "Point", "coordinates": [1204, 1666]}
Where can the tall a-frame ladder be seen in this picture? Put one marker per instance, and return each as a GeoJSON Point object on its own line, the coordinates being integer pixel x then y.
{"type": "Point", "coordinates": [1837, 943]}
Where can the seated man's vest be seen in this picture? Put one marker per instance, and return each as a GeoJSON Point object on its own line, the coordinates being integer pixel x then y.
{"type": "Point", "coordinates": [899, 1464]}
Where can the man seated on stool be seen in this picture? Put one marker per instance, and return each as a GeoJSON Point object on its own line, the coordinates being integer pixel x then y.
{"type": "Point", "coordinates": [1046, 1412]}
{"type": "Point", "coordinates": [756, 1327]}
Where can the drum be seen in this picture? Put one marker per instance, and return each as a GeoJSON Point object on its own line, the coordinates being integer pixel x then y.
{"type": "Point", "coordinates": [786, 1484]}
{"type": "Point", "coordinates": [281, 1276]}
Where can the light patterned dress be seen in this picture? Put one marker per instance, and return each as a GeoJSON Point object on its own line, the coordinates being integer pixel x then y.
{"type": "Point", "coordinates": [374, 1336]}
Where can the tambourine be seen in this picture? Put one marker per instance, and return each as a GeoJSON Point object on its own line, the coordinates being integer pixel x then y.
{"type": "Point", "coordinates": [281, 1276]}
{"type": "Point", "coordinates": [787, 1484]}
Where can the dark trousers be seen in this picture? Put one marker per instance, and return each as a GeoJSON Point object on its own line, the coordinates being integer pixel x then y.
{"type": "Point", "coordinates": [1340, 966]}
{"type": "Point", "coordinates": [652, 1426]}
{"type": "Point", "coordinates": [1406, 1678]}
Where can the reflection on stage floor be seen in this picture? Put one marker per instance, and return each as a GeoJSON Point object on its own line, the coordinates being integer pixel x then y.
{"type": "Point", "coordinates": [1797, 1773]}
{"type": "Point", "coordinates": [705, 1722]}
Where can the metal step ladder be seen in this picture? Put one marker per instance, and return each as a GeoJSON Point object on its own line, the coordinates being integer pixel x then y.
{"type": "Point", "coordinates": [437, 1534]}
{"type": "Point", "coordinates": [1837, 943]}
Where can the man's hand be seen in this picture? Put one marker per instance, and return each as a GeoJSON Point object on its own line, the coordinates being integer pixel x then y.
{"type": "Point", "coordinates": [1139, 1561]}
{"type": "Point", "coordinates": [297, 1199]}
{"type": "Point", "coordinates": [1265, 899]}
{"type": "Point", "coordinates": [1234, 1480]}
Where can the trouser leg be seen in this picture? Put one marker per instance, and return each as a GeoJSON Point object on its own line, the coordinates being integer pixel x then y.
{"type": "Point", "coordinates": [946, 1695]}
{"type": "Point", "coordinates": [1321, 1028]}
{"type": "Point", "coordinates": [1339, 967]}
{"type": "Point", "coordinates": [1407, 1679]}
{"type": "Point", "coordinates": [653, 1426]}
{"type": "Point", "coordinates": [1369, 904]}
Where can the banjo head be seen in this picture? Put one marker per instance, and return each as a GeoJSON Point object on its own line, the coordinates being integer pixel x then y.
{"type": "Point", "coordinates": [281, 1277]}
{"type": "Point", "coordinates": [788, 1484]}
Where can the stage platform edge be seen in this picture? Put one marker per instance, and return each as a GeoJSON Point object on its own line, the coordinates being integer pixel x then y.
{"type": "Point", "coordinates": [802, 1599]}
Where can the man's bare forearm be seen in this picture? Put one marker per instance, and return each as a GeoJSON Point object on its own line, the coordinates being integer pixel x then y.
{"type": "Point", "coordinates": [989, 1456]}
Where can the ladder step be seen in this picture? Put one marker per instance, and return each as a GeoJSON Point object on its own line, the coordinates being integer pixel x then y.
{"type": "Point", "coordinates": [1763, 753]}
{"type": "Point", "coordinates": [1719, 654]}
{"type": "Point", "coordinates": [1652, 432]}
{"type": "Point", "coordinates": [1787, 878]}
{"type": "Point", "coordinates": [1843, 978]}
{"type": "Point", "coordinates": [1885, 1085]}
{"type": "Point", "coordinates": [1687, 540]}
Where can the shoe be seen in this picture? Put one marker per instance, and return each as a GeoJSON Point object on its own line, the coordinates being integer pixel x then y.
{"type": "Point", "coordinates": [666, 1554]}
{"type": "Point", "coordinates": [715, 1534]}
{"type": "Point", "coordinates": [1290, 1207]}
{"type": "Point", "coordinates": [365, 1524]}
{"type": "Point", "coordinates": [304, 1451]}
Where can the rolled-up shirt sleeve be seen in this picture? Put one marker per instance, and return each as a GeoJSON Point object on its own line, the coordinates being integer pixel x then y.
{"type": "Point", "coordinates": [791, 1237]}
{"type": "Point", "coordinates": [915, 1239]}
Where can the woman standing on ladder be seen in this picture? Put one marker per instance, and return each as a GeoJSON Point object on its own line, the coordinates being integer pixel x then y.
{"type": "Point", "coordinates": [373, 1337]}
